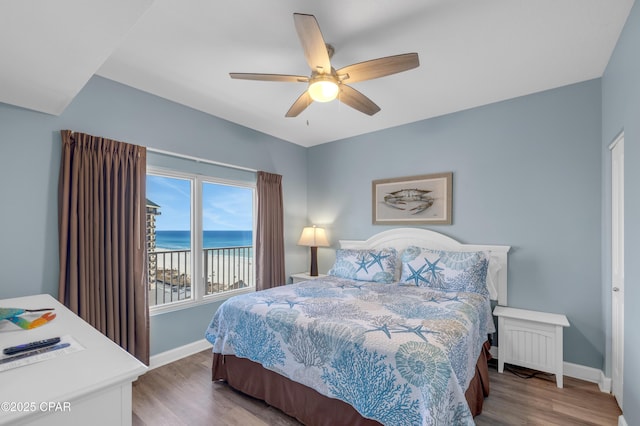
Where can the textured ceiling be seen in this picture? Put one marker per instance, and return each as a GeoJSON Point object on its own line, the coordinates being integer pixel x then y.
{"type": "Point", "coordinates": [471, 53]}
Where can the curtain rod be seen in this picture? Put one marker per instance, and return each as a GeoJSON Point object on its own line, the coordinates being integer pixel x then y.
{"type": "Point", "coordinates": [200, 160]}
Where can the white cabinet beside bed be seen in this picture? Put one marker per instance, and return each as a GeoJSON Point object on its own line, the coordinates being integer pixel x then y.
{"type": "Point", "coordinates": [304, 276]}
{"type": "Point", "coordinates": [531, 339]}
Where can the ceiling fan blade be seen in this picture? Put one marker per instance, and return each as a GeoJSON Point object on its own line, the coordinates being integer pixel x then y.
{"type": "Point", "coordinates": [299, 105]}
{"type": "Point", "coordinates": [270, 77]}
{"type": "Point", "coordinates": [357, 100]}
{"type": "Point", "coordinates": [380, 67]}
{"type": "Point", "coordinates": [315, 50]}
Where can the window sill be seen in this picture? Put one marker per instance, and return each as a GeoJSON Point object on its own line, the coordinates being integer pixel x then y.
{"type": "Point", "coordinates": [186, 304]}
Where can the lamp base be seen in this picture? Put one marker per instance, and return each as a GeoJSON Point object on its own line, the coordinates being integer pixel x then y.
{"type": "Point", "coordinates": [314, 262]}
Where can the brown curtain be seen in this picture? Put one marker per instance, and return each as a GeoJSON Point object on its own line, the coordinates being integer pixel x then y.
{"type": "Point", "coordinates": [102, 228]}
{"type": "Point", "coordinates": [270, 235]}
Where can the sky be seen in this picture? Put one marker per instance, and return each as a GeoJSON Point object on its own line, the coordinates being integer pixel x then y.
{"type": "Point", "coordinates": [225, 207]}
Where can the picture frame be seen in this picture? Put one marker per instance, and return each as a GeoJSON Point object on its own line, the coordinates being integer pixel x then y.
{"type": "Point", "coordinates": [413, 200]}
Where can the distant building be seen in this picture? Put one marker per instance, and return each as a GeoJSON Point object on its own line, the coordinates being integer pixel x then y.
{"type": "Point", "coordinates": [153, 210]}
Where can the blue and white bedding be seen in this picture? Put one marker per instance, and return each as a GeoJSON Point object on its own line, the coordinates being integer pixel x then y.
{"type": "Point", "coordinates": [400, 354]}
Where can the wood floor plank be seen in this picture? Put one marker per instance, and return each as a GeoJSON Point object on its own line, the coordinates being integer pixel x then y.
{"type": "Point", "coordinates": [182, 393]}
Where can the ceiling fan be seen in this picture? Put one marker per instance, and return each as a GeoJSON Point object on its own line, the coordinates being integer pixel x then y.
{"type": "Point", "coordinates": [327, 84]}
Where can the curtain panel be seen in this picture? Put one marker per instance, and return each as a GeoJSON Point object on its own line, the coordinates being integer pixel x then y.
{"type": "Point", "coordinates": [269, 232]}
{"type": "Point", "coordinates": [102, 236]}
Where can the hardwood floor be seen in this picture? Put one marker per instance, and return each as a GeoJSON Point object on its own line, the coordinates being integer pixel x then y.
{"type": "Point", "coordinates": [182, 393]}
{"type": "Point", "coordinates": [537, 401]}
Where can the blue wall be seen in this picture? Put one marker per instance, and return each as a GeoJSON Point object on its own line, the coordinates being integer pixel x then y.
{"type": "Point", "coordinates": [621, 112]}
{"type": "Point", "coordinates": [30, 160]}
{"type": "Point", "coordinates": [526, 173]}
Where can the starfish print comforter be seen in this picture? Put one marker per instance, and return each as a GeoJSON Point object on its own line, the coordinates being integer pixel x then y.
{"type": "Point", "coordinates": [399, 354]}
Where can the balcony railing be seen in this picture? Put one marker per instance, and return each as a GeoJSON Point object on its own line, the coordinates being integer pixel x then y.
{"type": "Point", "coordinates": [225, 269]}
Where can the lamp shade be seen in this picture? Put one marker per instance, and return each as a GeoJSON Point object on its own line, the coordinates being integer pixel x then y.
{"type": "Point", "coordinates": [313, 236]}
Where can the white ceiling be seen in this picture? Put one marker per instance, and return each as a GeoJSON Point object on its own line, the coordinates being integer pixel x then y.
{"type": "Point", "coordinates": [471, 53]}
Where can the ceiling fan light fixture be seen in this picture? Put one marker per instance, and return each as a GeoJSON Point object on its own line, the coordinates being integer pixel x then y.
{"type": "Point", "coordinates": [325, 83]}
{"type": "Point", "coordinates": [323, 89]}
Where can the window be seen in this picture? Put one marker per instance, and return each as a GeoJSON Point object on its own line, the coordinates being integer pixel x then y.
{"type": "Point", "coordinates": [200, 224]}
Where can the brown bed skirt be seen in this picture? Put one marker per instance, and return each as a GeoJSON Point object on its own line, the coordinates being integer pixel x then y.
{"type": "Point", "coordinates": [310, 407]}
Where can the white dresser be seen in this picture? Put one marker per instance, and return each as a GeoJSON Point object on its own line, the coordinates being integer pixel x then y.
{"type": "Point", "coordinates": [88, 387]}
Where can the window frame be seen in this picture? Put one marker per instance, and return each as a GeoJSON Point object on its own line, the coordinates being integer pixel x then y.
{"type": "Point", "coordinates": [198, 282]}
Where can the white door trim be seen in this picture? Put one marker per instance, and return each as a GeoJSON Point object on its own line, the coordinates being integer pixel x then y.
{"type": "Point", "coordinates": [617, 267]}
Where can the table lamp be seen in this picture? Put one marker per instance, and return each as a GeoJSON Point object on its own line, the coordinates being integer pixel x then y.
{"type": "Point", "coordinates": [313, 237]}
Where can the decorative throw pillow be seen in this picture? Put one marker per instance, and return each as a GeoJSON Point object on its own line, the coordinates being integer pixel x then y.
{"type": "Point", "coordinates": [445, 270]}
{"type": "Point", "coordinates": [365, 265]}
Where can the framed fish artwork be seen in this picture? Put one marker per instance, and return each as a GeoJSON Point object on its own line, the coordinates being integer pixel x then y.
{"type": "Point", "coordinates": [412, 200]}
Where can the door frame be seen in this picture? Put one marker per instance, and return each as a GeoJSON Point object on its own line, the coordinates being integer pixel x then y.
{"type": "Point", "coordinates": [617, 267]}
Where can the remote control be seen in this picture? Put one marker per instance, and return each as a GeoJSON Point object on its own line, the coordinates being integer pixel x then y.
{"type": "Point", "coordinates": [31, 346]}
{"type": "Point", "coordinates": [36, 352]}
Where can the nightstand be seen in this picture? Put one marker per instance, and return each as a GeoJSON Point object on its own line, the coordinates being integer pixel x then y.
{"type": "Point", "coordinates": [531, 339]}
{"type": "Point", "coordinates": [304, 276]}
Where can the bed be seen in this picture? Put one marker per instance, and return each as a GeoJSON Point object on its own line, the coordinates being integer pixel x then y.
{"type": "Point", "coordinates": [396, 334]}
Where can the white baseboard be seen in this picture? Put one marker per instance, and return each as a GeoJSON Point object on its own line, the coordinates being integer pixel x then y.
{"type": "Point", "coordinates": [622, 421]}
{"type": "Point", "coordinates": [588, 374]}
{"type": "Point", "coordinates": [577, 371]}
{"type": "Point", "coordinates": [178, 353]}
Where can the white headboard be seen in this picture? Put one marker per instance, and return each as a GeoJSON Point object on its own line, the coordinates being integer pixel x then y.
{"type": "Point", "coordinates": [401, 238]}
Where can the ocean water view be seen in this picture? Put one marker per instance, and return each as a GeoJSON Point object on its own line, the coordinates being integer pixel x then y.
{"type": "Point", "coordinates": [181, 240]}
